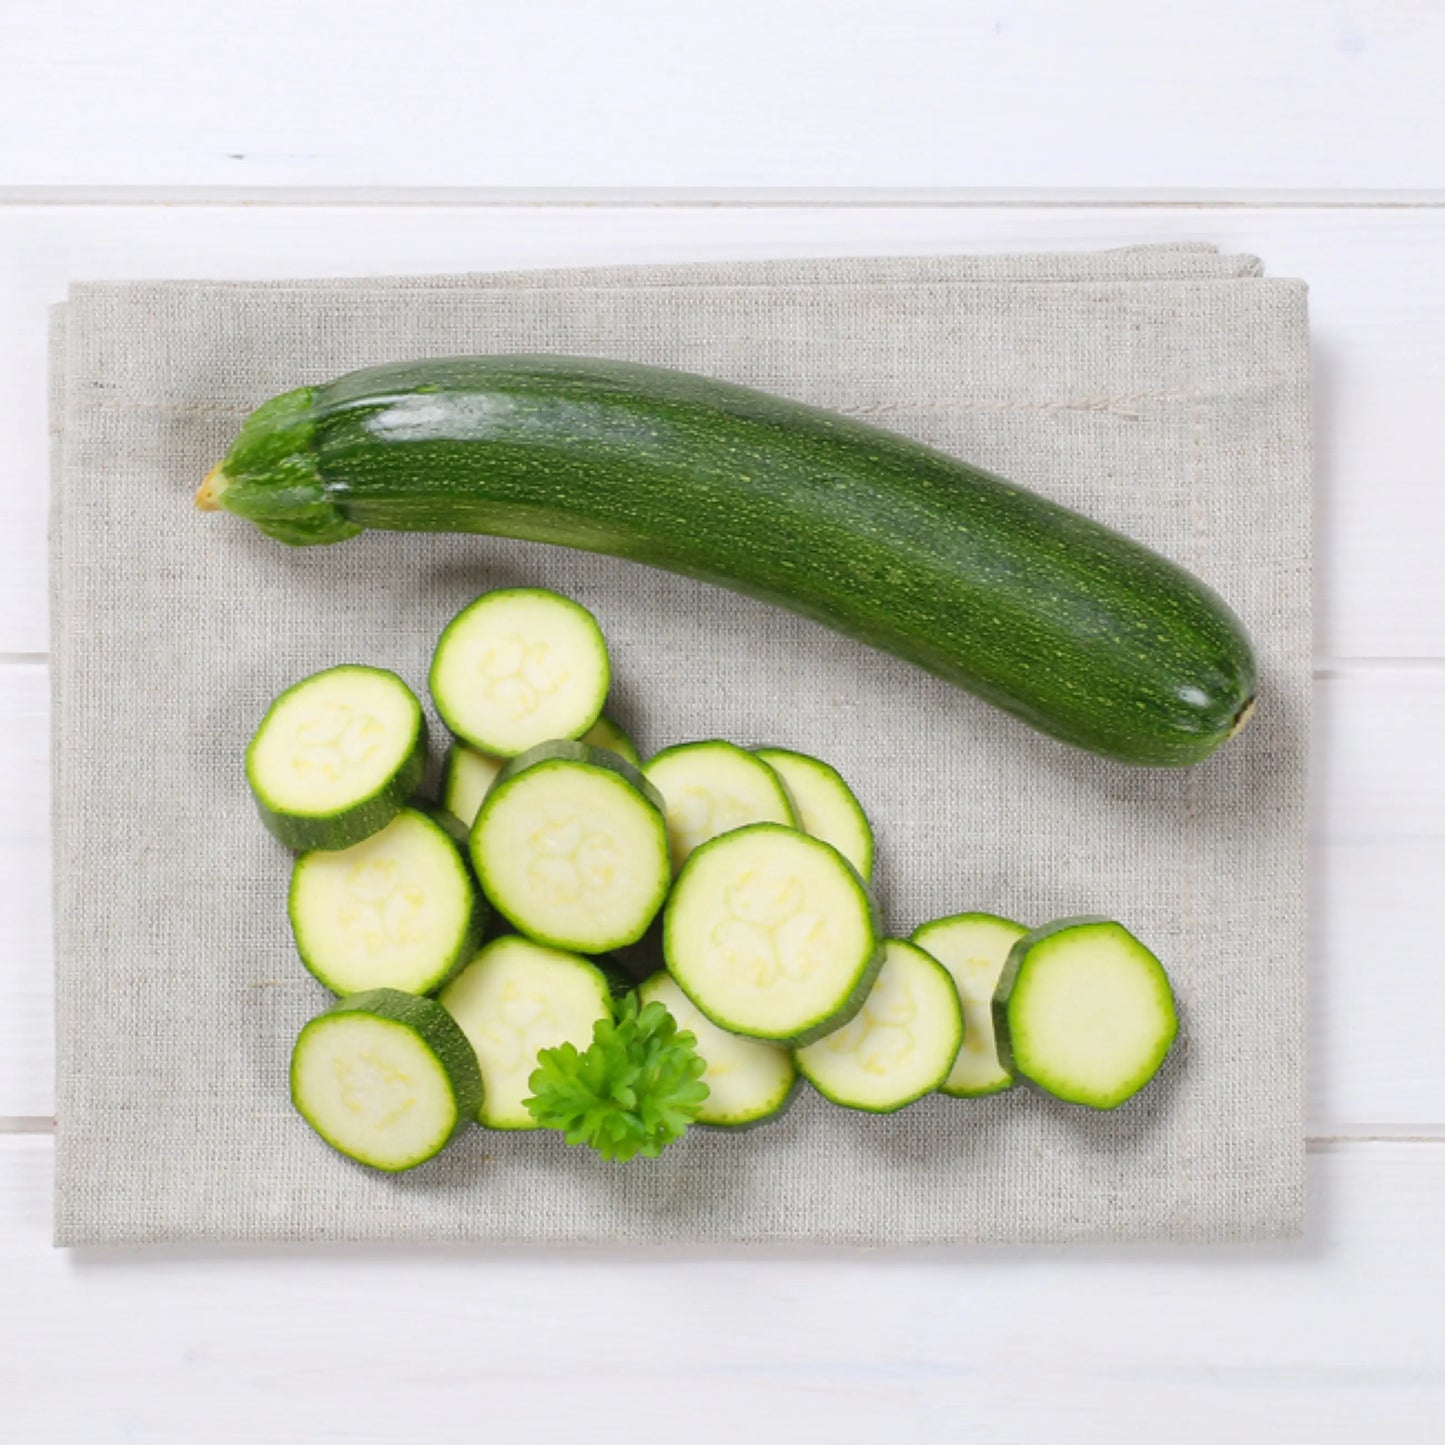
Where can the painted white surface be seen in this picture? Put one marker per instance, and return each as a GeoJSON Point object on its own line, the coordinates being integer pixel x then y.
{"type": "Point", "coordinates": [1119, 94]}
{"type": "Point", "coordinates": [1072, 106]}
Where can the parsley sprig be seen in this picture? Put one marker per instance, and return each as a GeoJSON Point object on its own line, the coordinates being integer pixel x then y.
{"type": "Point", "coordinates": [633, 1090]}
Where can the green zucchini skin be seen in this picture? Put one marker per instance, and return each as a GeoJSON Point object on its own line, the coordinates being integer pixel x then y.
{"type": "Point", "coordinates": [1071, 627]}
{"type": "Point", "coordinates": [570, 750]}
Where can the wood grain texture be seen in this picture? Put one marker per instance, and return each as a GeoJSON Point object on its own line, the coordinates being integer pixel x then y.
{"type": "Point", "coordinates": [555, 93]}
{"type": "Point", "coordinates": [1379, 852]}
{"type": "Point", "coordinates": [1328, 1341]}
{"type": "Point", "coordinates": [1377, 304]}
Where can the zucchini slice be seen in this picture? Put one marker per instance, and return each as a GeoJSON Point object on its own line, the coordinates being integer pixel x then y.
{"type": "Point", "coordinates": [385, 1078]}
{"type": "Point", "coordinates": [337, 756]}
{"type": "Point", "coordinates": [973, 947]}
{"type": "Point", "coordinates": [513, 1000]}
{"type": "Point", "coordinates": [772, 934]}
{"type": "Point", "coordinates": [748, 1081]}
{"type": "Point", "coordinates": [517, 667]}
{"type": "Point", "coordinates": [712, 788]}
{"type": "Point", "coordinates": [1085, 1011]}
{"type": "Point", "coordinates": [825, 805]}
{"type": "Point", "coordinates": [466, 776]}
{"type": "Point", "coordinates": [571, 846]}
{"type": "Point", "coordinates": [397, 910]}
{"type": "Point", "coordinates": [605, 733]}
{"type": "Point", "coordinates": [900, 1045]}
{"type": "Point", "coordinates": [468, 773]}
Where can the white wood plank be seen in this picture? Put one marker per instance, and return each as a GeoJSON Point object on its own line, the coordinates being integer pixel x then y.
{"type": "Point", "coordinates": [1379, 765]}
{"type": "Point", "coordinates": [1377, 1011]}
{"type": "Point", "coordinates": [1330, 1341]}
{"type": "Point", "coordinates": [1376, 1000]}
{"type": "Point", "coordinates": [1196, 94]}
{"type": "Point", "coordinates": [27, 1036]}
{"type": "Point", "coordinates": [1376, 1003]}
{"type": "Point", "coordinates": [1378, 300]}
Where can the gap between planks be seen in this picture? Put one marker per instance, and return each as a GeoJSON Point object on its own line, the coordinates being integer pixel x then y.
{"type": "Point", "coordinates": [703, 198]}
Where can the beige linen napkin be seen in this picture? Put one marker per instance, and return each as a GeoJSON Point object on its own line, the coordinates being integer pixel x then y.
{"type": "Point", "coordinates": [1162, 390]}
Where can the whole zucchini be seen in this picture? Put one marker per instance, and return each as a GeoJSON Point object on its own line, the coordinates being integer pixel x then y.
{"type": "Point", "coordinates": [1066, 624]}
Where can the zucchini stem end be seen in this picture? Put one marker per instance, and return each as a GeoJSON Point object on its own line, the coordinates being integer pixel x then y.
{"type": "Point", "coordinates": [208, 494]}
{"type": "Point", "coordinates": [1242, 717]}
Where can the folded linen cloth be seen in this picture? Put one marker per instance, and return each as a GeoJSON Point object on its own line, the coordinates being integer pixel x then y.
{"type": "Point", "coordinates": [1163, 390]}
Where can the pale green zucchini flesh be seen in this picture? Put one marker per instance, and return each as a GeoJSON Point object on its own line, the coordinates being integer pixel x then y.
{"type": "Point", "coordinates": [337, 756]}
{"type": "Point", "coordinates": [749, 1082]}
{"type": "Point", "coordinates": [513, 1000]}
{"type": "Point", "coordinates": [825, 805]}
{"type": "Point", "coordinates": [570, 845]}
{"type": "Point", "coordinates": [397, 910]}
{"type": "Point", "coordinates": [466, 776]}
{"type": "Point", "coordinates": [772, 934]}
{"type": "Point", "coordinates": [1085, 1011]}
{"type": "Point", "coordinates": [973, 947]}
{"type": "Point", "coordinates": [519, 667]}
{"type": "Point", "coordinates": [899, 1046]}
{"type": "Point", "coordinates": [713, 787]}
{"type": "Point", "coordinates": [385, 1078]}
{"type": "Point", "coordinates": [468, 772]}
{"type": "Point", "coordinates": [605, 733]}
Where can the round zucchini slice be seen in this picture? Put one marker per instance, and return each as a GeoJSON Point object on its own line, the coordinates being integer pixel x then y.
{"type": "Point", "coordinates": [712, 788]}
{"type": "Point", "coordinates": [518, 667]}
{"type": "Point", "coordinates": [571, 847]}
{"type": "Point", "coordinates": [337, 756]}
{"type": "Point", "coordinates": [973, 947]}
{"type": "Point", "coordinates": [605, 733]}
{"type": "Point", "coordinates": [513, 1000]}
{"type": "Point", "coordinates": [397, 910]}
{"type": "Point", "coordinates": [385, 1078]}
{"type": "Point", "coordinates": [749, 1082]}
{"type": "Point", "coordinates": [825, 805]}
{"type": "Point", "coordinates": [900, 1045]}
{"type": "Point", "coordinates": [772, 934]}
{"type": "Point", "coordinates": [466, 776]}
{"type": "Point", "coordinates": [1085, 1011]}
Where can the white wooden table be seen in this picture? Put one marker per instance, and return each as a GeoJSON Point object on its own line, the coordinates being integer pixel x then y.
{"type": "Point", "coordinates": [155, 138]}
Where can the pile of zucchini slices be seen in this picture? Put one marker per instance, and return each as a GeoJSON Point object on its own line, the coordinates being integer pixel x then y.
{"type": "Point", "coordinates": [564, 894]}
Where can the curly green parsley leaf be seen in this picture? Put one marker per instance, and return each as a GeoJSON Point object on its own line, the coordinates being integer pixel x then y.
{"type": "Point", "coordinates": [633, 1090]}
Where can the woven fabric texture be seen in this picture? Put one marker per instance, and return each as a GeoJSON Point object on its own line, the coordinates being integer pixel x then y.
{"type": "Point", "coordinates": [1161, 390]}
